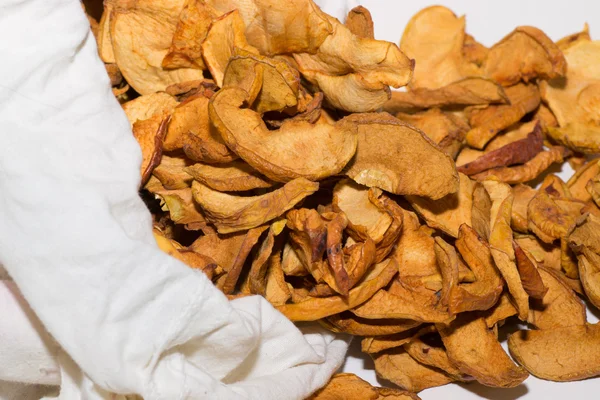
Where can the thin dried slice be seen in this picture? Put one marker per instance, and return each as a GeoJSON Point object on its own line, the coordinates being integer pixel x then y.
{"type": "Point", "coordinates": [291, 263]}
{"type": "Point", "coordinates": [144, 107]}
{"type": "Point", "coordinates": [297, 149]}
{"type": "Point", "coordinates": [335, 256]}
{"type": "Point", "coordinates": [578, 182]}
{"type": "Point", "coordinates": [372, 345]}
{"type": "Point", "coordinates": [183, 90]}
{"type": "Point", "coordinates": [542, 253]}
{"type": "Point", "coordinates": [225, 39]}
{"type": "Point", "coordinates": [280, 28]}
{"type": "Point", "coordinates": [585, 243]}
{"type": "Point", "coordinates": [530, 276]}
{"type": "Point", "coordinates": [574, 100]}
{"type": "Point", "coordinates": [464, 92]}
{"type": "Point", "coordinates": [410, 165]}
{"type": "Point", "coordinates": [388, 242]}
{"type": "Point", "coordinates": [360, 23]}
{"type": "Point", "coordinates": [569, 40]}
{"type": "Point", "coordinates": [397, 366]}
{"type": "Point", "coordinates": [528, 171]}
{"type": "Point", "coordinates": [429, 350]}
{"type": "Point", "coordinates": [473, 51]}
{"type": "Point", "coordinates": [502, 310]}
{"type": "Point", "coordinates": [105, 49]}
{"type": "Point", "coordinates": [517, 152]}
{"type": "Point", "coordinates": [234, 213]}
{"type": "Point", "coordinates": [450, 212]}
{"type": "Point", "coordinates": [277, 291]}
{"type": "Point", "coordinates": [171, 172]}
{"type": "Point", "coordinates": [308, 234]}
{"type": "Point", "coordinates": [444, 128]}
{"type": "Point", "coordinates": [561, 355]}
{"type": "Point", "coordinates": [235, 176]}
{"type": "Point", "coordinates": [524, 55]}
{"type": "Point", "coordinates": [547, 219]}
{"type": "Point", "coordinates": [488, 122]}
{"type": "Point", "coordinates": [434, 37]}
{"type": "Point", "coordinates": [349, 386]}
{"type": "Point", "coordinates": [349, 323]}
{"type": "Point", "coordinates": [257, 276]}
{"type": "Point", "coordinates": [365, 219]}
{"type": "Point", "coordinates": [190, 116]}
{"type": "Point", "coordinates": [186, 50]}
{"type": "Point", "coordinates": [141, 32]}
{"type": "Point", "coordinates": [182, 208]}
{"type": "Point", "coordinates": [522, 196]}
{"type": "Point", "coordinates": [474, 349]}
{"type": "Point", "coordinates": [560, 306]}
{"type": "Point", "coordinates": [314, 308]}
{"type": "Point", "coordinates": [150, 134]}
{"type": "Point", "coordinates": [415, 249]}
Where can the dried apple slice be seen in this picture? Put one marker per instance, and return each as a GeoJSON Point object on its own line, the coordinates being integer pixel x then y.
{"type": "Point", "coordinates": [528, 271]}
{"type": "Point", "coordinates": [474, 349]}
{"type": "Point", "coordinates": [569, 40]}
{"type": "Point", "coordinates": [502, 310]}
{"type": "Point", "coordinates": [488, 122]}
{"type": "Point", "coordinates": [429, 350]}
{"type": "Point", "coordinates": [257, 276]}
{"type": "Point", "coordinates": [235, 176]}
{"type": "Point", "coordinates": [141, 32]}
{"type": "Point", "coordinates": [181, 207]}
{"type": "Point", "coordinates": [547, 219]}
{"type": "Point", "coordinates": [308, 234]}
{"type": "Point", "coordinates": [524, 55]}
{"type": "Point", "coordinates": [584, 241]}
{"type": "Point", "coordinates": [450, 212]}
{"type": "Point", "coordinates": [562, 355]}
{"type": "Point", "coordinates": [171, 172]}
{"type": "Point", "coordinates": [410, 165]}
{"type": "Point", "coordinates": [147, 106]}
{"type": "Point", "coordinates": [350, 323]}
{"type": "Point", "coordinates": [578, 182]}
{"type": "Point", "coordinates": [464, 92]}
{"type": "Point", "coordinates": [291, 263]}
{"type": "Point", "coordinates": [350, 386]}
{"type": "Point", "coordinates": [522, 196]}
{"type": "Point", "coordinates": [360, 23]}
{"type": "Point", "coordinates": [105, 49]}
{"type": "Point", "coordinates": [376, 344]}
{"type": "Point", "coordinates": [150, 134]}
{"type": "Point", "coordinates": [276, 290]}
{"type": "Point", "coordinates": [297, 149]}
{"type": "Point", "coordinates": [234, 213]}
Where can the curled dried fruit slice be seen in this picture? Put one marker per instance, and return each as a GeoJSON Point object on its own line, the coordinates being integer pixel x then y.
{"type": "Point", "coordinates": [171, 173]}
{"type": "Point", "coordinates": [428, 349]}
{"type": "Point", "coordinates": [410, 165]}
{"type": "Point", "coordinates": [584, 241]}
{"type": "Point", "coordinates": [517, 152]}
{"type": "Point", "coordinates": [277, 291]}
{"type": "Point", "coordinates": [450, 212]}
{"type": "Point", "coordinates": [465, 92]}
{"type": "Point", "coordinates": [360, 23]}
{"type": "Point", "coordinates": [257, 276]}
{"type": "Point", "coordinates": [297, 149]}
{"type": "Point", "coordinates": [434, 37]}
{"type": "Point", "coordinates": [397, 366]}
{"type": "Point", "coordinates": [141, 32]}
{"type": "Point", "coordinates": [488, 122]}
{"type": "Point", "coordinates": [524, 54]}
{"type": "Point", "coordinates": [530, 277]}
{"type": "Point", "coordinates": [150, 134]}
{"type": "Point", "coordinates": [234, 213]}
{"type": "Point", "coordinates": [528, 171]}
{"type": "Point", "coordinates": [236, 176]}
{"type": "Point", "coordinates": [570, 40]}
{"type": "Point", "coordinates": [578, 182]}
{"type": "Point", "coordinates": [181, 207]}
{"type": "Point", "coordinates": [502, 310]}
{"type": "Point", "coordinates": [414, 251]}
{"type": "Point", "coordinates": [350, 386]}
{"type": "Point", "coordinates": [147, 106]}
{"type": "Point", "coordinates": [350, 323]}
{"type": "Point", "coordinates": [474, 349]}
{"type": "Point", "coordinates": [547, 219]}
{"type": "Point", "coordinates": [561, 355]}
{"type": "Point", "coordinates": [372, 345]}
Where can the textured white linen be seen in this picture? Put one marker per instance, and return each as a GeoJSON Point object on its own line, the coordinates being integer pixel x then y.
{"type": "Point", "coordinates": [76, 239]}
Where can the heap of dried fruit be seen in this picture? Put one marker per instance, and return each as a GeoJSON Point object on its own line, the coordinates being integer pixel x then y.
{"type": "Point", "coordinates": [284, 166]}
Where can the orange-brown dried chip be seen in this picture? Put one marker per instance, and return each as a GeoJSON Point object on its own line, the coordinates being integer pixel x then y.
{"type": "Point", "coordinates": [522, 196]}
{"type": "Point", "coordinates": [349, 323]}
{"type": "Point", "coordinates": [349, 386]}
{"type": "Point", "coordinates": [149, 134]}
{"type": "Point", "coordinates": [360, 23]}
{"type": "Point", "coordinates": [578, 182]}
{"type": "Point", "coordinates": [584, 241]}
{"type": "Point", "coordinates": [528, 271]}
{"type": "Point", "coordinates": [171, 172]}
{"type": "Point", "coordinates": [235, 176]}
{"type": "Point", "coordinates": [429, 350]}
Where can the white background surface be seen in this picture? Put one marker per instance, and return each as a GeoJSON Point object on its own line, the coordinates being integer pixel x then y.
{"type": "Point", "coordinates": [488, 22]}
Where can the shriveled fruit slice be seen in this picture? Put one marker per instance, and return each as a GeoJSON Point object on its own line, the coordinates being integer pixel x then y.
{"type": "Point", "coordinates": [561, 355]}
{"type": "Point", "coordinates": [578, 182]}
{"type": "Point", "coordinates": [530, 276]}
{"type": "Point", "coordinates": [234, 213]}
{"type": "Point", "coordinates": [141, 32]}
{"type": "Point", "coordinates": [181, 207]}
{"type": "Point", "coordinates": [146, 106]}
{"type": "Point", "coordinates": [584, 241]}
{"type": "Point", "coordinates": [360, 23]}
{"type": "Point", "coordinates": [171, 172]}
{"type": "Point", "coordinates": [236, 176]}
{"type": "Point", "coordinates": [524, 55]}
{"type": "Point", "coordinates": [429, 350]}
{"type": "Point", "coordinates": [502, 310]}
{"type": "Point", "coordinates": [522, 196]}
{"type": "Point", "coordinates": [297, 149]}
{"type": "Point", "coordinates": [488, 122]}
{"type": "Point", "coordinates": [376, 344]}
{"type": "Point", "coordinates": [574, 38]}
{"type": "Point", "coordinates": [350, 386]}
{"type": "Point", "coordinates": [350, 323]}
{"type": "Point", "coordinates": [474, 349]}
{"type": "Point", "coordinates": [415, 249]}
{"type": "Point", "coordinates": [149, 134]}
{"type": "Point", "coordinates": [410, 164]}
{"type": "Point", "coordinates": [257, 276]}
{"type": "Point", "coordinates": [277, 291]}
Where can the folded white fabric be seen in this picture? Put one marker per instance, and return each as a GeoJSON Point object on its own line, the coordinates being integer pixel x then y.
{"type": "Point", "coordinates": [76, 239]}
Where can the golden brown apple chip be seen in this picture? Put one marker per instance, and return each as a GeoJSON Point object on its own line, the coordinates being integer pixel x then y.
{"type": "Point", "coordinates": [141, 32]}
{"type": "Point", "coordinates": [149, 105]}
{"type": "Point", "coordinates": [291, 263]}
{"type": "Point", "coordinates": [186, 46]}
{"type": "Point", "coordinates": [489, 121]}
{"type": "Point", "coordinates": [522, 196]}
{"type": "Point", "coordinates": [570, 40]}
{"type": "Point", "coordinates": [182, 209]}
{"type": "Point", "coordinates": [349, 386]}
{"type": "Point", "coordinates": [578, 182]}
{"type": "Point", "coordinates": [354, 72]}
{"type": "Point", "coordinates": [413, 165]}
{"type": "Point", "coordinates": [560, 306]}
{"type": "Point", "coordinates": [231, 213]}
{"type": "Point", "coordinates": [517, 152]}
{"type": "Point", "coordinates": [350, 323]}
{"type": "Point", "coordinates": [397, 366]}
{"type": "Point", "coordinates": [271, 84]}
{"type": "Point", "coordinates": [585, 243]}
{"type": "Point", "coordinates": [171, 172]}
{"type": "Point", "coordinates": [502, 310]}
{"type": "Point", "coordinates": [445, 129]}
{"type": "Point", "coordinates": [360, 23]}
{"type": "Point", "coordinates": [429, 350]}
{"type": "Point", "coordinates": [562, 355]}
{"type": "Point", "coordinates": [524, 55]}
{"type": "Point", "coordinates": [225, 39]}
{"type": "Point", "coordinates": [276, 290]}
{"type": "Point", "coordinates": [297, 149]}
{"type": "Point", "coordinates": [280, 28]}
{"type": "Point", "coordinates": [365, 219]}
{"type": "Point", "coordinates": [308, 234]}
{"type": "Point", "coordinates": [376, 344]}
{"type": "Point", "coordinates": [434, 37]}
{"type": "Point", "coordinates": [528, 271]}
{"type": "Point", "coordinates": [450, 212]}
{"type": "Point", "coordinates": [473, 51]}
{"type": "Point", "coordinates": [314, 308]}
{"type": "Point", "coordinates": [547, 219]}
{"type": "Point", "coordinates": [149, 134]}
{"type": "Point", "coordinates": [574, 100]}
{"type": "Point", "coordinates": [230, 252]}
{"type": "Point", "coordinates": [474, 349]}
{"type": "Point", "coordinates": [189, 117]}
{"type": "Point", "coordinates": [388, 242]}
{"type": "Point", "coordinates": [337, 222]}
{"type": "Point", "coordinates": [528, 171]}
{"type": "Point", "coordinates": [235, 176]}
{"type": "Point", "coordinates": [105, 49]}
{"type": "Point", "coordinates": [257, 275]}
{"type": "Point", "coordinates": [465, 92]}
